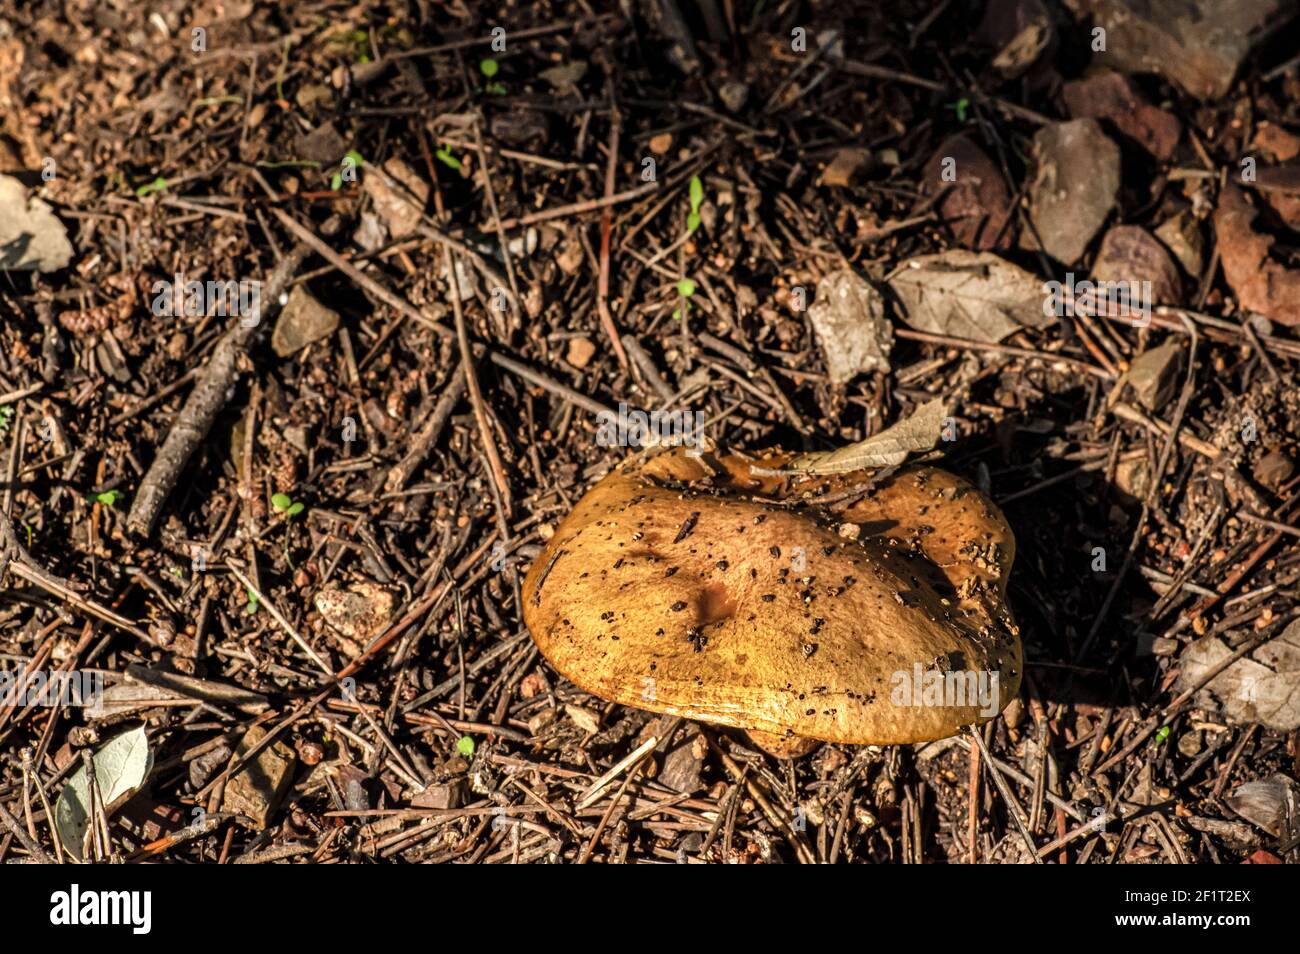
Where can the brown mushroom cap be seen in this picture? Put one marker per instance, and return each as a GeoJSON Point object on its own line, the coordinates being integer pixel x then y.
{"type": "Point", "coordinates": [690, 586]}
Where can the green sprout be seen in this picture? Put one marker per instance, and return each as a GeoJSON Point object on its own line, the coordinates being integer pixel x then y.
{"type": "Point", "coordinates": [109, 497]}
{"type": "Point", "coordinates": [251, 607]}
{"type": "Point", "coordinates": [447, 159]}
{"type": "Point", "coordinates": [685, 288]}
{"type": "Point", "coordinates": [149, 188]}
{"type": "Point", "coordinates": [489, 67]}
{"type": "Point", "coordinates": [960, 107]}
{"type": "Point", "coordinates": [697, 199]}
{"type": "Point", "coordinates": [465, 746]}
{"type": "Point", "coordinates": [6, 418]}
{"type": "Point", "coordinates": [284, 505]}
{"type": "Point", "coordinates": [1162, 734]}
{"type": "Point", "coordinates": [290, 509]}
{"type": "Point", "coordinates": [336, 181]}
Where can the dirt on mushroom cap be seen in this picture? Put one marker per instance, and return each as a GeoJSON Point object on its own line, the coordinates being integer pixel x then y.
{"type": "Point", "coordinates": [690, 586]}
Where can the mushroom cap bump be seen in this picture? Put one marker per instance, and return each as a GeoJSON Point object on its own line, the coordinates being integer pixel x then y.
{"type": "Point", "coordinates": [688, 585]}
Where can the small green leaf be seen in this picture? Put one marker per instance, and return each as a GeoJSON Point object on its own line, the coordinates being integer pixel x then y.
{"type": "Point", "coordinates": [447, 159]}
{"type": "Point", "coordinates": [489, 67]}
{"type": "Point", "coordinates": [281, 502]}
{"type": "Point", "coordinates": [496, 89]}
{"type": "Point", "coordinates": [686, 287]}
{"type": "Point", "coordinates": [295, 509]}
{"type": "Point", "coordinates": [356, 157]}
{"type": "Point", "coordinates": [158, 185]}
{"type": "Point", "coordinates": [465, 746]}
{"type": "Point", "coordinates": [109, 497]}
{"type": "Point", "coordinates": [336, 182]}
{"type": "Point", "coordinates": [1162, 734]}
{"type": "Point", "coordinates": [697, 193]}
{"type": "Point", "coordinates": [692, 223]}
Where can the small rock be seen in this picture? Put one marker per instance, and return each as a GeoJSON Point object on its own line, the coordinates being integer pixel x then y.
{"type": "Point", "coordinates": [661, 143]}
{"type": "Point", "coordinates": [302, 321]}
{"type": "Point", "coordinates": [1153, 375]}
{"type": "Point", "coordinates": [580, 352]}
{"type": "Point", "coordinates": [1129, 254]}
{"type": "Point", "coordinates": [1181, 234]}
{"type": "Point", "coordinates": [256, 789]}
{"type": "Point", "coordinates": [443, 795]}
{"type": "Point", "coordinates": [976, 206]}
{"type": "Point", "coordinates": [733, 95]}
{"type": "Point", "coordinates": [1112, 96]}
{"type": "Point", "coordinates": [312, 95]}
{"type": "Point", "coordinates": [565, 76]}
{"type": "Point", "coordinates": [1279, 144]}
{"type": "Point", "coordinates": [1273, 469]}
{"type": "Point", "coordinates": [849, 320]}
{"type": "Point", "coordinates": [683, 766]}
{"type": "Point", "coordinates": [322, 144]}
{"type": "Point", "coordinates": [1075, 186]}
{"type": "Point", "coordinates": [31, 236]}
{"type": "Point", "coordinates": [584, 719]}
{"type": "Point", "coordinates": [359, 612]}
{"type": "Point", "coordinates": [845, 166]}
{"type": "Point", "coordinates": [570, 257]}
{"type": "Point", "coordinates": [1199, 44]}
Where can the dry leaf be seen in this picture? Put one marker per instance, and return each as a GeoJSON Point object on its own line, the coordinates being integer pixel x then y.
{"type": "Point", "coordinates": [973, 295]}
{"type": "Point", "coordinates": [121, 767]}
{"type": "Point", "coordinates": [1260, 687]}
{"type": "Point", "coordinates": [849, 319]}
{"type": "Point", "coordinates": [889, 448]}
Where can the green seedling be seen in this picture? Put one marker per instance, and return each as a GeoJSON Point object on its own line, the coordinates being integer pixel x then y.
{"type": "Point", "coordinates": [290, 509]}
{"type": "Point", "coordinates": [149, 188]}
{"type": "Point", "coordinates": [6, 418]}
{"type": "Point", "coordinates": [447, 159]}
{"type": "Point", "coordinates": [108, 498]}
{"type": "Point", "coordinates": [961, 107]}
{"type": "Point", "coordinates": [697, 199]}
{"type": "Point", "coordinates": [465, 746]}
{"type": "Point", "coordinates": [251, 606]}
{"type": "Point", "coordinates": [1162, 735]}
{"type": "Point", "coordinates": [489, 67]}
{"type": "Point", "coordinates": [284, 505]}
{"type": "Point", "coordinates": [336, 181]}
{"type": "Point", "coordinates": [685, 288]}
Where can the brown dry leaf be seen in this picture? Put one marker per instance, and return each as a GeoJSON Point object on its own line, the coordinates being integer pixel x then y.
{"type": "Point", "coordinates": [912, 435]}
{"type": "Point", "coordinates": [1263, 686]}
{"type": "Point", "coordinates": [1271, 804]}
{"type": "Point", "coordinates": [1076, 184]}
{"type": "Point", "coordinates": [977, 206]}
{"type": "Point", "coordinates": [400, 202]}
{"type": "Point", "coordinates": [848, 317]}
{"type": "Point", "coordinates": [1260, 283]}
{"type": "Point", "coordinates": [973, 295]}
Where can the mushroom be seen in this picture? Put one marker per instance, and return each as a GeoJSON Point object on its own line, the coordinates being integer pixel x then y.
{"type": "Point", "coordinates": [798, 608]}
